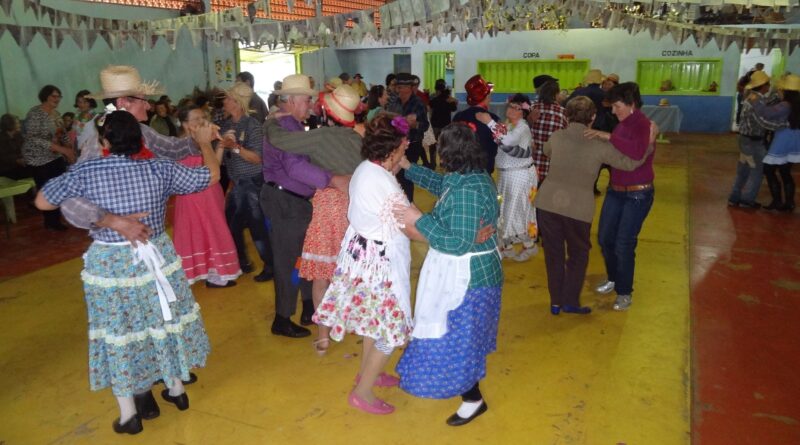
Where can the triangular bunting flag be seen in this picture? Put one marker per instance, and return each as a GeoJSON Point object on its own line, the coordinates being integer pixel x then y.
{"type": "Point", "coordinates": [5, 5]}
{"type": "Point", "coordinates": [91, 37]}
{"type": "Point", "coordinates": [27, 34]}
{"type": "Point", "coordinates": [47, 35]}
{"type": "Point", "coordinates": [16, 33]}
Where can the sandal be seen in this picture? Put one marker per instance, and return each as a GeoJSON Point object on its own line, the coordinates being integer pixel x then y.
{"type": "Point", "coordinates": [321, 345]}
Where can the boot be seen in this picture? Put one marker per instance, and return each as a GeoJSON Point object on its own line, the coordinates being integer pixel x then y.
{"type": "Point", "coordinates": [774, 190]}
{"type": "Point", "coordinates": [788, 191]}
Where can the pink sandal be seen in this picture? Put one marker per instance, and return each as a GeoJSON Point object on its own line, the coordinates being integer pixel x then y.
{"type": "Point", "coordinates": [384, 380]}
{"type": "Point", "coordinates": [377, 407]}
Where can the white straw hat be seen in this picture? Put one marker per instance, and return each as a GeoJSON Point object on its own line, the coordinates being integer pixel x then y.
{"type": "Point", "coordinates": [296, 85]}
{"type": "Point", "coordinates": [342, 104]}
{"type": "Point", "coordinates": [124, 80]}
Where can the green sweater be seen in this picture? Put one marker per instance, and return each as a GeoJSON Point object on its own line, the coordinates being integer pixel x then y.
{"type": "Point", "coordinates": [335, 149]}
{"type": "Point", "coordinates": [466, 203]}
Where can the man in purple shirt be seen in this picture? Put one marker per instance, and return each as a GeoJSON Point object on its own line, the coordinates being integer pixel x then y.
{"type": "Point", "coordinates": [289, 181]}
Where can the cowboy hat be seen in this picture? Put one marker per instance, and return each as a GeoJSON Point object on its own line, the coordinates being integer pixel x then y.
{"type": "Point", "coordinates": [122, 81]}
{"type": "Point", "coordinates": [757, 79]}
{"type": "Point", "coordinates": [542, 79]}
{"type": "Point", "coordinates": [296, 85]}
{"type": "Point", "coordinates": [477, 89]}
{"type": "Point", "coordinates": [790, 82]}
{"type": "Point", "coordinates": [341, 104]}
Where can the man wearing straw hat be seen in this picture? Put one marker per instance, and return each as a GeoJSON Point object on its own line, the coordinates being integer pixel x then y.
{"type": "Point", "coordinates": [337, 149]}
{"type": "Point", "coordinates": [289, 182]}
{"type": "Point", "coordinates": [123, 88]}
{"type": "Point", "coordinates": [752, 148]}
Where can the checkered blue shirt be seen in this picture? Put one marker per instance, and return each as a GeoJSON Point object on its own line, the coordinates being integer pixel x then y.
{"type": "Point", "coordinates": [123, 186]}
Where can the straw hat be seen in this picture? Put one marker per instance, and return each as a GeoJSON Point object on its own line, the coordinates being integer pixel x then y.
{"type": "Point", "coordinates": [757, 79]}
{"type": "Point", "coordinates": [341, 104]}
{"type": "Point", "coordinates": [593, 76]}
{"type": "Point", "coordinates": [241, 93]}
{"type": "Point", "coordinates": [613, 77]}
{"type": "Point", "coordinates": [790, 83]}
{"type": "Point", "coordinates": [663, 102]}
{"type": "Point", "coordinates": [334, 82]}
{"type": "Point", "coordinates": [296, 85]}
{"type": "Point", "coordinates": [123, 80]}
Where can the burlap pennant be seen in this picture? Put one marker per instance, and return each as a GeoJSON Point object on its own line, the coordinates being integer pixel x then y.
{"type": "Point", "coordinates": [5, 5]}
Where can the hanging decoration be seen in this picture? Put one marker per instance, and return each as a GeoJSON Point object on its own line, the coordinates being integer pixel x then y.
{"type": "Point", "coordinates": [406, 21]}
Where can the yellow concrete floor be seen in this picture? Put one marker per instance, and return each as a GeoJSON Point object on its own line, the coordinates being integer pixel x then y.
{"type": "Point", "coordinates": [607, 378]}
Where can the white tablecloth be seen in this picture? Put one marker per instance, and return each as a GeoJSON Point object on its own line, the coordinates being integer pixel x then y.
{"type": "Point", "coordinates": [667, 118]}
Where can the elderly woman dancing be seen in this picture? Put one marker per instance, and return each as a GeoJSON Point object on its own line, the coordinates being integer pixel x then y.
{"type": "Point", "coordinates": [369, 294]}
{"type": "Point", "coordinates": [144, 324]}
{"type": "Point", "coordinates": [458, 294]}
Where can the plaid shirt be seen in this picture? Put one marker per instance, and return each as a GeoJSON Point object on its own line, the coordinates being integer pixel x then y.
{"type": "Point", "coordinates": [250, 135]}
{"type": "Point", "coordinates": [551, 119]}
{"type": "Point", "coordinates": [124, 186]}
{"type": "Point", "coordinates": [466, 203]}
{"type": "Point", "coordinates": [753, 125]}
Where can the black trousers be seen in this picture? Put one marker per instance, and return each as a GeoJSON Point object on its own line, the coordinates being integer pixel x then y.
{"type": "Point", "coordinates": [413, 153]}
{"type": "Point", "coordinates": [784, 172]}
{"type": "Point", "coordinates": [44, 173]}
{"type": "Point", "coordinates": [289, 219]}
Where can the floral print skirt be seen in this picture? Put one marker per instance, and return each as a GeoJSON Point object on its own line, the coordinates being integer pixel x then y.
{"type": "Point", "coordinates": [130, 344]}
{"type": "Point", "coordinates": [361, 298]}
{"type": "Point", "coordinates": [440, 368]}
{"type": "Point", "coordinates": [324, 235]}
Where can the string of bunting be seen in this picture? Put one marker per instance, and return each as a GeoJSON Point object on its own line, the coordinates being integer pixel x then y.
{"type": "Point", "coordinates": [402, 21]}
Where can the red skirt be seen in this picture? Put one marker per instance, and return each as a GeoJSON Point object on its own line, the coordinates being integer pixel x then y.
{"type": "Point", "coordinates": [324, 235]}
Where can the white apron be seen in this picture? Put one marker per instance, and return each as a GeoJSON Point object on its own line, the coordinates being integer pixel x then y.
{"type": "Point", "coordinates": [442, 285]}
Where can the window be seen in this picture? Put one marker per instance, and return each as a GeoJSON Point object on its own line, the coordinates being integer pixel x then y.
{"type": "Point", "coordinates": [679, 76]}
{"type": "Point", "coordinates": [516, 76]}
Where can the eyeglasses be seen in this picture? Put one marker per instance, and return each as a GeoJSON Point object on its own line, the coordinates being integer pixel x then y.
{"type": "Point", "coordinates": [139, 98]}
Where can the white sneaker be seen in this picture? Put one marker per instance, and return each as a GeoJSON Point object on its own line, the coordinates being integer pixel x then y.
{"type": "Point", "coordinates": [526, 254]}
{"type": "Point", "coordinates": [605, 287]}
{"type": "Point", "coordinates": [509, 252]}
{"type": "Point", "coordinates": [623, 302]}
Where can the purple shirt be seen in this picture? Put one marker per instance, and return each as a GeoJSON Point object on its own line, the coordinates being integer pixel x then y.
{"type": "Point", "coordinates": [631, 137]}
{"type": "Point", "coordinates": [292, 171]}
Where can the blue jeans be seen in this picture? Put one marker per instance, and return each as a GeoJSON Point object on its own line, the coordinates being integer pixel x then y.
{"type": "Point", "coordinates": [242, 210]}
{"type": "Point", "coordinates": [621, 221]}
{"type": "Point", "coordinates": [749, 170]}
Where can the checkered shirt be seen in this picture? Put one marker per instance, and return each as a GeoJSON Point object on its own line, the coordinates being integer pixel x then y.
{"type": "Point", "coordinates": [465, 204]}
{"type": "Point", "coordinates": [250, 135]}
{"type": "Point", "coordinates": [123, 186]}
{"type": "Point", "coordinates": [551, 119]}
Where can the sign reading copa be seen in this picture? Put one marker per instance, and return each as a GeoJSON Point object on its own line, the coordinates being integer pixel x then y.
{"type": "Point", "coordinates": [677, 52]}
{"type": "Point", "coordinates": [530, 55]}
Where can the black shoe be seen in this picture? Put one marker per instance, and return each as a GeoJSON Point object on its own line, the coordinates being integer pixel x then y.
{"type": "Point", "coordinates": [733, 203]}
{"type": "Point", "coordinates": [786, 208]}
{"type": "Point", "coordinates": [456, 420]}
{"type": "Point", "coordinates": [132, 426]}
{"type": "Point", "coordinates": [192, 379]}
{"type": "Point", "coordinates": [181, 401]}
{"type": "Point", "coordinates": [146, 405]}
{"type": "Point", "coordinates": [265, 275]}
{"type": "Point", "coordinates": [287, 328]}
{"type": "Point", "coordinates": [247, 267]}
{"type": "Point", "coordinates": [305, 319]}
{"type": "Point", "coordinates": [211, 285]}
{"type": "Point", "coordinates": [774, 205]}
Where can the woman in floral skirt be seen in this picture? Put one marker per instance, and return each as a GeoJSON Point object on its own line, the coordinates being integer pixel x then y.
{"type": "Point", "coordinates": [369, 294]}
{"type": "Point", "coordinates": [144, 324]}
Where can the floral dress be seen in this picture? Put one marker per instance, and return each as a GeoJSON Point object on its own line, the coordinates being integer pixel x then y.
{"type": "Point", "coordinates": [370, 291]}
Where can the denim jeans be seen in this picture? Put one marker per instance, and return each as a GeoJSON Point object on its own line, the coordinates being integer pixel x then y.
{"type": "Point", "coordinates": [621, 220]}
{"type": "Point", "coordinates": [749, 170]}
{"type": "Point", "coordinates": [242, 210]}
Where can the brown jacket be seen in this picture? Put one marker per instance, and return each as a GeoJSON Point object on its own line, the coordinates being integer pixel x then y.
{"type": "Point", "coordinates": [574, 163]}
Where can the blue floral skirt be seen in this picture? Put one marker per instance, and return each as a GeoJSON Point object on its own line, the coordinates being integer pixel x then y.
{"type": "Point", "coordinates": [130, 344]}
{"type": "Point", "coordinates": [440, 368]}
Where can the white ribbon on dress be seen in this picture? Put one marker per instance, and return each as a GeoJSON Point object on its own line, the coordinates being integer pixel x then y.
{"type": "Point", "coordinates": [442, 285]}
{"type": "Point", "coordinates": [149, 254]}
